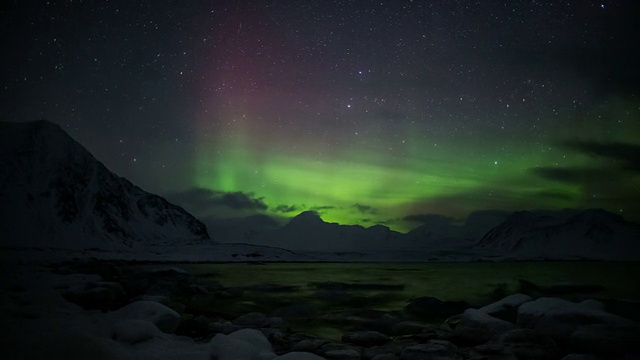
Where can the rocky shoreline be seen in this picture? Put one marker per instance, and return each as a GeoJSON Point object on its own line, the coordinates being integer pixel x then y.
{"type": "Point", "coordinates": [151, 303]}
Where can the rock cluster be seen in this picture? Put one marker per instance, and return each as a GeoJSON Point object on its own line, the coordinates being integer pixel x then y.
{"type": "Point", "coordinates": [515, 327]}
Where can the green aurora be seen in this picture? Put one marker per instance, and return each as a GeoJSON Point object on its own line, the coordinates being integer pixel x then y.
{"type": "Point", "coordinates": [361, 180]}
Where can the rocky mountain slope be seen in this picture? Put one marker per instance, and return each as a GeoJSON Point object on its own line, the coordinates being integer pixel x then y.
{"type": "Point", "coordinates": [54, 193]}
{"type": "Point", "coordinates": [568, 234]}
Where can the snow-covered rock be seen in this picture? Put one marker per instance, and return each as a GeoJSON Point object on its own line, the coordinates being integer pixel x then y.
{"type": "Point", "coordinates": [162, 316]}
{"type": "Point", "coordinates": [507, 308]}
{"type": "Point", "coordinates": [593, 304]}
{"type": "Point", "coordinates": [246, 344]}
{"type": "Point", "coordinates": [411, 327]}
{"type": "Point", "coordinates": [365, 338]}
{"type": "Point", "coordinates": [308, 345]}
{"type": "Point", "coordinates": [254, 319]}
{"type": "Point", "coordinates": [102, 295]}
{"type": "Point", "coordinates": [559, 318]}
{"type": "Point", "coordinates": [607, 340]}
{"type": "Point", "coordinates": [339, 351]}
{"type": "Point", "coordinates": [567, 234]}
{"type": "Point", "coordinates": [477, 327]}
{"type": "Point", "coordinates": [434, 349]}
{"type": "Point", "coordinates": [527, 344]}
{"type": "Point", "coordinates": [296, 355]}
{"type": "Point", "coordinates": [54, 193]}
{"type": "Point", "coordinates": [379, 350]}
{"type": "Point", "coordinates": [135, 331]}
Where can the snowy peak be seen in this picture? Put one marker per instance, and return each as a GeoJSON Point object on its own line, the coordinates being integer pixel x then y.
{"type": "Point", "coordinates": [592, 234]}
{"type": "Point", "coordinates": [307, 218]}
{"type": "Point", "coordinates": [56, 194]}
{"type": "Point", "coordinates": [307, 231]}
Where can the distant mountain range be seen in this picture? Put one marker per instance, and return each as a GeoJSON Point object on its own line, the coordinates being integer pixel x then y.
{"type": "Point", "coordinates": [539, 235]}
{"type": "Point", "coordinates": [54, 193]}
{"type": "Point", "coordinates": [308, 232]}
{"type": "Point", "coordinates": [567, 234]}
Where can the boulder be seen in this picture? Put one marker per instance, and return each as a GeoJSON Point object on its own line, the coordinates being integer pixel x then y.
{"type": "Point", "coordinates": [476, 327]}
{"type": "Point", "coordinates": [527, 344]}
{"type": "Point", "coordinates": [254, 337]}
{"type": "Point", "coordinates": [295, 355]}
{"type": "Point", "coordinates": [433, 350]}
{"type": "Point", "coordinates": [385, 357]}
{"type": "Point", "coordinates": [411, 327]}
{"type": "Point", "coordinates": [365, 338]}
{"type": "Point", "coordinates": [560, 318]}
{"type": "Point", "coordinates": [157, 298]}
{"type": "Point", "coordinates": [249, 344]}
{"type": "Point", "coordinates": [308, 345]}
{"type": "Point", "coordinates": [194, 326]}
{"type": "Point", "coordinates": [337, 351]}
{"type": "Point", "coordinates": [99, 295]}
{"type": "Point", "coordinates": [279, 339]}
{"type": "Point", "coordinates": [593, 304]}
{"type": "Point", "coordinates": [376, 351]}
{"type": "Point", "coordinates": [491, 352]}
{"type": "Point", "coordinates": [163, 317]}
{"type": "Point", "coordinates": [276, 322]}
{"type": "Point", "coordinates": [225, 327]}
{"type": "Point", "coordinates": [342, 354]}
{"type": "Point", "coordinates": [629, 309]}
{"type": "Point", "coordinates": [253, 319]}
{"type": "Point", "coordinates": [134, 331]}
{"type": "Point", "coordinates": [429, 308]}
{"type": "Point", "coordinates": [507, 308]}
{"type": "Point", "coordinates": [607, 340]}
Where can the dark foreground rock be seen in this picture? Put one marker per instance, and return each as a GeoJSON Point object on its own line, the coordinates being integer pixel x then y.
{"type": "Point", "coordinates": [607, 340]}
{"type": "Point", "coordinates": [430, 308]}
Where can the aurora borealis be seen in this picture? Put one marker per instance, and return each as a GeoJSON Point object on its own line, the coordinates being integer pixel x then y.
{"type": "Point", "coordinates": [365, 111]}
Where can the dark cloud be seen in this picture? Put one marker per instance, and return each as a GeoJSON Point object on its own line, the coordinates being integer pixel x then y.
{"type": "Point", "coordinates": [568, 175]}
{"type": "Point", "coordinates": [240, 200]}
{"type": "Point", "coordinates": [365, 209]}
{"type": "Point", "coordinates": [205, 201]}
{"type": "Point", "coordinates": [428, 218]}
{"type": "Point", "coordinates": [321, 208]}
{"type": "Point", "coordinates": [628, 155]}
{"type": "Point", "coordinates": [553, 194]}
{"type": "Point", "coordinates": [286, 208]}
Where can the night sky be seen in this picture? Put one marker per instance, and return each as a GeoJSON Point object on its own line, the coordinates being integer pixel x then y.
{"type": "Point", "coordinates": [364, 111]}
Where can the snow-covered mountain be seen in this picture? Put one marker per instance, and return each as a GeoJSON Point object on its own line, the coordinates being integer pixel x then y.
{"type": "Point", "coordinates": [54, 193]}
{"type": "Point", "coordinates": [240, 230]}
{"type": "Point", "coordinates": [441, 233]}
{"type": "Point", "coordinates": [309, 232]}
{"type": "Point", "coordinates": [567, 234]}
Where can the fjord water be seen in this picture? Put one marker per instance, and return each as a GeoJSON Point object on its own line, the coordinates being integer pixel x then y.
{"type": "Point", "coordinates": [332, 288]}
{"type": "Point", "coordinates": [474, 282]}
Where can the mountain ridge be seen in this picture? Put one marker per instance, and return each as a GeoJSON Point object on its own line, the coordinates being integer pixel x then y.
{"type": "Point", "coordinates": [55, 193]}
{"type": "Point", "coordinates": [586, 234]}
